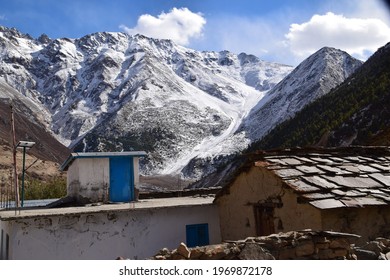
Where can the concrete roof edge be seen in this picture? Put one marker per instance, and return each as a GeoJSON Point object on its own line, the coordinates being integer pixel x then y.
{"type": "Point", "coordinates": [73, 156]}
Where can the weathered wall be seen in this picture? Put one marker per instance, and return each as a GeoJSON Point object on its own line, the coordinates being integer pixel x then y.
{"type": "Point", "coordinates": [4, 231]}
{"type": "Point", "coordinates": [136, 234]}
{"type": "Point", "coordinates": [368, 222]}
{"type": "Point", "coordinates": [89, 178]}
{"type": "Point", "coordinates": [236, 209]}
{"type": "Point", "coordinates": [136, 170]}
{"type": "Point", "coordinates": [257, 185]}
{"type": "Point", "coordinates": [294, 215]}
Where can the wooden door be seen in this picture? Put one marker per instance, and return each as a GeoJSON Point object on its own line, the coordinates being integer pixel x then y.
{"type": "Point", "coordinates": [264, 217]}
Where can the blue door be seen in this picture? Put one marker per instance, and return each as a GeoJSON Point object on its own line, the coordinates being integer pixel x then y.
{"type": "Point", "coordinates": [197, 235]}
{"type": "Point", "coordinates": [121, 179]}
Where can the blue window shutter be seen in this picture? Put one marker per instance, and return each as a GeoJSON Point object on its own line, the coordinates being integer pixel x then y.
{"type": "Point", "coordinates": [197, 235]}
{"type": "Point", "coordinates": [121, 179]}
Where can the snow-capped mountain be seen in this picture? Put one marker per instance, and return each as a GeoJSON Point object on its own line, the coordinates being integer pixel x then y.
{"type": "Point", "coordinates": [314, 77]}
{"type": "Point", "coordinates": [112, 92]}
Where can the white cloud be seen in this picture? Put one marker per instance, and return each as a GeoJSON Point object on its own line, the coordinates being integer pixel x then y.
{"type": "Point", "coordinates": [359, 9]}
{"type": "Point", "coordinates": [357, 36]}
{"type": "Point", "coordinates": [255, 35]}
{"type": "Point", "coordinates": [179, 25]}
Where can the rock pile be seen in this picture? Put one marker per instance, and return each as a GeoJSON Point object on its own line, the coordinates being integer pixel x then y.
{"type": "Point", "coordinates": [378, 249]}
{"type": "Point", "coordinates": [225, 251]}
{"type": "Point", "coordinates": [308, 244]}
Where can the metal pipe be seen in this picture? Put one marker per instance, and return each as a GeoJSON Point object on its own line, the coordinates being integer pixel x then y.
{"type": "Point", "coordinates": [17, 197]}
{"type": "Point", "coordinates": [23, 172]}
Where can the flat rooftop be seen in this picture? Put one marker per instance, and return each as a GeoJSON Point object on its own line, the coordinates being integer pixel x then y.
{"type": "Point", "coordinates": [132, 206]}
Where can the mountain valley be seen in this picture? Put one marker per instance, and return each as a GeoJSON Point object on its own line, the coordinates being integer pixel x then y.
{"type": "Point", "coordinates": [190, 111]}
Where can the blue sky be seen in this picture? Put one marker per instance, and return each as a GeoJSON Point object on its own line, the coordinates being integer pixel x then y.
{"type": "Point", "coordinates": [275, 30]}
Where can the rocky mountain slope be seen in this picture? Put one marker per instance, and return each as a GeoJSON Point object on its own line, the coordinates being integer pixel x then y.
{"type": "Point", "coordinates": [113, 92]}
{"type": "Point", "coordinates": [355, 113]}
{"type": "Point", "coordinates": [28, 126]}
{"type": "Point", "coordinates": [314, 77]}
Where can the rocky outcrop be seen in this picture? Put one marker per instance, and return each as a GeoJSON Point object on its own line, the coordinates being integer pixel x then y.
{"type": "Point", "coordinates": [225, 251]}
{"type": "Point", "coordinates": [293, 245]}
{"type": "Point", "coordinates": [378, 249]}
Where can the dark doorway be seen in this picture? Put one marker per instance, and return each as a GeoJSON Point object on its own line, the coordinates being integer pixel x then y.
{"type": "Point", "coordinates": [264, 217]}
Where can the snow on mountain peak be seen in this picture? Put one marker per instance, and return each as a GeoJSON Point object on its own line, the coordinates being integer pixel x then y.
{"type": "Point", "coordinates": [110, 91]}
{"type": "Point", "coordinates": [314, 77]}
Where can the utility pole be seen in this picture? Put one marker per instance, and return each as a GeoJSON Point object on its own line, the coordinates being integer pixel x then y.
{"type": "Point", "coordinates": [17, 197]}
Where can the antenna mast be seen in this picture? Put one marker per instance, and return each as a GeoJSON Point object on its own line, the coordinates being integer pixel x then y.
{"type": "Point", "coordinates": [17, 197]}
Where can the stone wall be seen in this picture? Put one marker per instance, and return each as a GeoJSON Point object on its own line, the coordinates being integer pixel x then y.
{"type": "Point", "coordinates": [293, 245]}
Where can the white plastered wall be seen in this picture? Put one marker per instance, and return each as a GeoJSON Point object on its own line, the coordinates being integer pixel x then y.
{"type": "Point", "coordinates": [89, 178]}
{"type": "Point", "coordinates": [134, 234]}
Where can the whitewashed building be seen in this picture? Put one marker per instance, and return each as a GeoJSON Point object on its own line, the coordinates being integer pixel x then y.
{"type": "Point", "coordinates": [114, 224]}
{"type": "Point", "coordinates": [103, 177]}
{"type": "Point", "coordinates": [135, 230]}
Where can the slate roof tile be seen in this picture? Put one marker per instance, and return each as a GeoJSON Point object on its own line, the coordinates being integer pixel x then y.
{"type": "Point", "coordinates": [336, 178]}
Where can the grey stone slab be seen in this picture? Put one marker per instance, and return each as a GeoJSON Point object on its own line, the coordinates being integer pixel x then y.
{"type": "Point", "coordinates": [354, 159]}
{"type": "Point", "coordinates": [348, 193]}
{"type": "Point", "coordinates": [320, 182]}
{"type": "Point", "coordinates": [338, 192]}
{"type": "Point", "coordinates": [376, 191]}
{"type": "Point", "coordinates": [309, 169]}
{"type": "Point", "coordinates": [322, 160]}
{"type": "Point", "coordinates": [304, 159]}
{"type": "Point", "coordinates": [367, 168]}
{"type": "Point", "coordinates": [328, 203]}
{"type": "Point", "coordinates": [382, 167]}
{"type": "Point", "coordinates": [340, 234]}
{"type": "Point", "coordinates": [386, 190]}
{"type": "Point", "coordinates": [333, 169]}
{"type": "Point", "coordinates": [350, 202]}
{"type": "Point", "coordinates": [291, 161]}
{"type": "Point", "coordinates": [276, 160]}
{"type": "Point", "coordinates": [350, 168]}
{"type": "Point", "coordinates": [383, 179]}
{"type": "Point", "coordinates": [384, 197]}
{"type": "Point", "coordinates": [355, 193]}
{"type": "Point", "coordinates": [353, 182]}
{"type": "Point", "coordinates": [370, 201]}
{"type": "Point", "coordinates": [317, 196]}
{"type": "Point", "coordinates": [337, 159]}
{"type": "Point", "coordinates": [301, 186]}
{"type": "Point", "coordinates": [288, 172]}
{"type": "Point", "coordinates": [368, 159]}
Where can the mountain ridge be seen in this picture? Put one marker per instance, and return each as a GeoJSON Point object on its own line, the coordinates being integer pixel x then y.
{"type": "Point", "coordinates": [355, 113]}
{"type": "Point", "coordinates": [109, 91]}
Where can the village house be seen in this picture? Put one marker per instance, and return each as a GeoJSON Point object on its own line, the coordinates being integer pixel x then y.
{"type": "Point", "coordinates": [136, 230]}
{"type": "Point", "coordinates": [343, 189]}
{"type": "Point", "coordinates": [103, 177]}
{"type": "Point", "coordinates": [112, 223]}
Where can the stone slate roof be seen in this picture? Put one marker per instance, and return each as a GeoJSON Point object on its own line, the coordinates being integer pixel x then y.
{"type": "Point", "coordinates": [334, 178]}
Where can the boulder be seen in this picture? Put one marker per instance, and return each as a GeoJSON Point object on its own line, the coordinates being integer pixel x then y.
{"type": "Point", "coordinates": [183, 250]}
{"type": "Point", "coordinates": [253, 251]}
{"type": "Point", "coordinates": [304, 248]}
{"type": "Point", "coordinates": [365, 254]}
